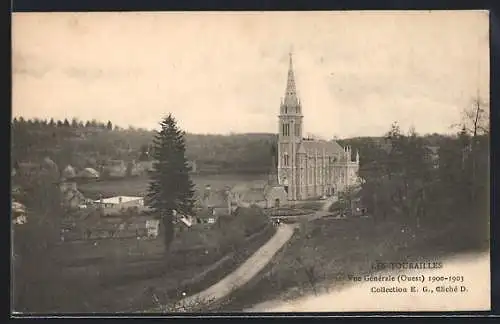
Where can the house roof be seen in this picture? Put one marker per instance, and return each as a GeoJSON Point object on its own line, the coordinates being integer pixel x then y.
{"type": "Point", "coordinates": [244, 187]}
{"type": "Point", "coordinates": [116, 200]}
{"type": "Point", "coordinates": [18, 207]}
{"type": "Point", "coordinates": [254, 195]}
{"type": "Point", "coordinates": [89, 171]}
{"type": "Point", "coordinates": [186, 221]}
{"type": "Point", "coordinates": [433, 149]}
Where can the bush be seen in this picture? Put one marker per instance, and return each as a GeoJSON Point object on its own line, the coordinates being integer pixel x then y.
{"type": "Point", "coordinates": [231, 236]}
{"type": "Point", "coordinates": [251, 219]}
{"type": "Point", "coordinates": [245, 222]}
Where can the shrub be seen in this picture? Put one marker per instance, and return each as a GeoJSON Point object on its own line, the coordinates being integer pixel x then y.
{"type": "Point", "coordinates": [231, 236]}
{"type": "Point", "coordinates": [232, 230]}
{"type": "Point", "coordinates": [251, 219]}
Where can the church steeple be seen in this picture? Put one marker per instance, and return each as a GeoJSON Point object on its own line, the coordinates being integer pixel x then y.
{"type": "Point", "coordinates": [291, 89]}
{"type": "Point", "coordinates": [291, 102]}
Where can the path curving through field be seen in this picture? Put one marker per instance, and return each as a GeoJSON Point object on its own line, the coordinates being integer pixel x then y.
{"type": "Point", "coordinates": [249, 269]}
{"type": "Point", "coordinates": [253, 265]}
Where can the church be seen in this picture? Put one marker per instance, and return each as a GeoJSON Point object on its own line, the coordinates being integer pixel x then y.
{"type": "Point", "coordinates": [309, 168]}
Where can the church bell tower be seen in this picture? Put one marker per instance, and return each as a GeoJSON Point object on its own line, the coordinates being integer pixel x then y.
{"type": "Point", "coordinates": [289, 134]}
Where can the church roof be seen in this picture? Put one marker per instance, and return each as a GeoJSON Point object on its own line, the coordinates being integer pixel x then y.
{"type": "Point", "coordinates": [311, 146]}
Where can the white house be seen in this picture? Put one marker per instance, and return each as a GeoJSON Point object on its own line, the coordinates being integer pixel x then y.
{"type": "Point", "coordinates": [19, 215]}
{"type": "Point", "coordinates": [88, 173]}
{"type": "Point", "coordinates": [114, 205]}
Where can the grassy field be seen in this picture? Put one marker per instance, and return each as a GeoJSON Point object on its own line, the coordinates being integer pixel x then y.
{"type": "Point", "coordinates": [138, 186]}
{"type": "Point", "coordinates": [96, 279]}
{"type": "Point", "coordinates": [125, 274]}
{"type": "Point", "coordinates": [325, 249]}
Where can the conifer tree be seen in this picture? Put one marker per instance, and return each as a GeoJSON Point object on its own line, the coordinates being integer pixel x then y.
{"type": "Point", "coordinates": [170, 187]}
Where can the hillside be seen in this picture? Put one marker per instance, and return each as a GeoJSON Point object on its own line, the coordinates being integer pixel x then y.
{"type": "Point", "coordinates": [93, 144]}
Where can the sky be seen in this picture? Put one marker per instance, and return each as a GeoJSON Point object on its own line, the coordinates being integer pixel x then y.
{"type": "Point", "coordinates": [356, 72]}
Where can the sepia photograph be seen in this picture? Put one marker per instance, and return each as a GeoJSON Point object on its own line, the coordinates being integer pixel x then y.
{"type": "Point", "coordinates": [250, 162]}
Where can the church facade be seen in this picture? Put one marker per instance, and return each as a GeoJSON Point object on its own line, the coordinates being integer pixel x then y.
{"type": "Point", "coordinates": [309, 168]}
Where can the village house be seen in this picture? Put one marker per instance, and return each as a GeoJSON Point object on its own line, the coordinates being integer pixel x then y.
{"type": "Point", "coordinates": [270, 195]}
{"type": "Point", "coordinates": [186, 220]}
{"type": "Point", "coordinates": [88, 173]}
{"type": "Point", "coordinates": [19, 214]}
{"type": "Point", "coordinates": [213, 203]}
{"type": "Point", "coordinates": [119, 204]}
{"type": "Point", "coordinates": [115, 169]}
{"type": "Point", "coordinates": [143, 167]}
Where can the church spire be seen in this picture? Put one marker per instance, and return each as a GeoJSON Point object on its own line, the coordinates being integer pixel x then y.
{"type": "Point", "coordinates": [290, 84]}
{"type": "Point", "coordinates": [291, 100]}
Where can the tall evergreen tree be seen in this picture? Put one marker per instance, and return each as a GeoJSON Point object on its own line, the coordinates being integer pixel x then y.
{"type": "Point", "coordinates": [171, 187]}
{"type": "Point", "coordinates": [109, 126]}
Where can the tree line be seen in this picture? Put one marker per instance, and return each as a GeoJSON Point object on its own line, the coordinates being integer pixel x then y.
{"type": "Point", "coordinates": [403, 182]}
{"type": "Point", "coordinates": [74, 123]}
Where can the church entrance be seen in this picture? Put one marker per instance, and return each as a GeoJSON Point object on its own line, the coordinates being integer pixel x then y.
{"type": "Point", "coordinates": [276, 203]}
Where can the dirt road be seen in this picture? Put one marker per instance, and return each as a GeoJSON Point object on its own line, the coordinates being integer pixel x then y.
{"type": "Point", "coordinates": [247, 270]}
